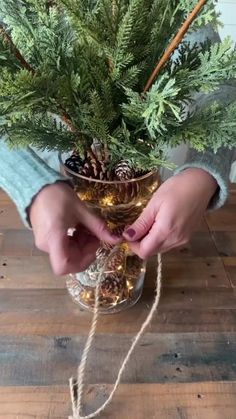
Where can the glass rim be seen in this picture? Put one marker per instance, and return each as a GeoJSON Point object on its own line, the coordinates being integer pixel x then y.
{"type": "Point", "coordinates": [109, 182]}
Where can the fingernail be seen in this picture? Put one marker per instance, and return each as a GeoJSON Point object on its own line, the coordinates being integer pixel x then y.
{"type": "Point", "coordinates": [130, 232]}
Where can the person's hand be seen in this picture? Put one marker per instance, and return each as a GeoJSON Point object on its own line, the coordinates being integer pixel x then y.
{"type": "Point", "coordinates": [173, 213]}
{"type": "Point", "coordinates": [55, 209]}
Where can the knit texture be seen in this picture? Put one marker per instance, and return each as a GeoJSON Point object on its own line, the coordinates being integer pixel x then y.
{"type": "Point", "coordinates": [22, 175]}
{"type": "Point", "coordinates": [217, 165]}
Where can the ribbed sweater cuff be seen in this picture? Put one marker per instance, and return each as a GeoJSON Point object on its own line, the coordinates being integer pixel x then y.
{"type": "Point", "coordinates": [218, 166]}
{"type": "Point", "coordinates": [22, 175]}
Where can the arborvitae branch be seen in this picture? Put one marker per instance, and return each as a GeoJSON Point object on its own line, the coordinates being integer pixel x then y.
{"type": "Point", "coordinates": [175, 43]}
{"type": "Point", "coordinates": [15, 50]}
{"type": "Point", "coordinates": [89, 61]}
{"type": "Point", "coordinates": [65, 117]}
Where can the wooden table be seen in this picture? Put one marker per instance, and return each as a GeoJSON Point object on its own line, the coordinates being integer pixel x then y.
{"type": "Point", "coordinates": [184, 367]}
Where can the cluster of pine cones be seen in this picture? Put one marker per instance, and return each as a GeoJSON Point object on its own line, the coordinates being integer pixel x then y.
{"type": "Point", "coordinates": [88, 168]}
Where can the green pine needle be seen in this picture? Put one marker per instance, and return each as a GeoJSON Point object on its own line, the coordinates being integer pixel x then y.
{"type": "Point", "coordinates": [90, 61]}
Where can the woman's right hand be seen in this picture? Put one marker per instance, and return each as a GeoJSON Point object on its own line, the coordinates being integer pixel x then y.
{"type": "Point", "coordinates": [54, 210]}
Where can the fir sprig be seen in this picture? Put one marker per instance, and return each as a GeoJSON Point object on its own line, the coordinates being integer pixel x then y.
{"type": "Point", "coordinates": [87, 61]}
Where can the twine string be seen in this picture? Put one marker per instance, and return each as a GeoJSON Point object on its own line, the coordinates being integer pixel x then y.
{"type": "Point", "coordinates": [77, 401]}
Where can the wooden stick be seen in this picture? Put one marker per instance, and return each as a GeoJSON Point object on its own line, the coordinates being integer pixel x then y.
{"type": "Point", "coordinates": [175, 43]}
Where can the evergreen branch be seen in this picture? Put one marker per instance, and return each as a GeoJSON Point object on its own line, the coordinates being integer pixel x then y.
{"type": "Point", "coordinates": [65, 116]}
{"type": "Point", "coordinates": [88, 60]}
{"type": "Point", "coordinates": [15, 50]}
{"type": "Point", "coordinates": [174, 43]}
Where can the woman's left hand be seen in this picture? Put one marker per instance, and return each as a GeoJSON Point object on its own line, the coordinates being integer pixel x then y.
{"type": "Point", "coordinates": [173, 213]}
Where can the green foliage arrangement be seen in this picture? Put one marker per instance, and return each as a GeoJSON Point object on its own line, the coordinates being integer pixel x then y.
{"type": "Point", "coordinates": [88, 61]}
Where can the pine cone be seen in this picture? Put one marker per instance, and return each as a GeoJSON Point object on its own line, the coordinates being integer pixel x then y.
{"type": "Point", "coordinates": [133, 266]}
{"type": "Point", "coordinates": [74, 163]}
{"type": "Point", "coordinates": [116, 262]}
{"type": "Point", "coordinates": [93, 169]}
{"type": "Point", "coordinates": [101, 255]}
{"type": "Point", "coordinates": [89, 170]}
{"type": "Point", "coordinates": [123, 171]}
{"type": "Point", "coordinates": [112, 286]}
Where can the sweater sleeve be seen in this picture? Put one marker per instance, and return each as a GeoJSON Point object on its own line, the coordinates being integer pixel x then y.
{"type": "Point", "coordinates": [23, 174]}
{"type": "Point", "coordinates": [217, 165]}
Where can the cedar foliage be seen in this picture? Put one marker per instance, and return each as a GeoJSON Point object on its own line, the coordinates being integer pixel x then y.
{"type": "Point", "coordinates": [87, 64]}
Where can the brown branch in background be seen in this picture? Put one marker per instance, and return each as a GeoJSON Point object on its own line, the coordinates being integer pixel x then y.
{"type": "Point", "coordinates": [15, 50]}
{"type": "Point", "coordinates": [175, 43]}
{"type": "Point", "coordinates": [27, 66]}
{"type": "Point", "coordinates": [65, 116]}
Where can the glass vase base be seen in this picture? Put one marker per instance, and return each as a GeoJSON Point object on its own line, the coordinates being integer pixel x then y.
{"type": "Point", "coordinates": [107, 305]}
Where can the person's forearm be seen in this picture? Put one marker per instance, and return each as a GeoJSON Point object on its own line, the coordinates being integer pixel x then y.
{"type": "Point", "coordinates": [23, 174]}
{"type": "Point", "coordinates": [217, 165]}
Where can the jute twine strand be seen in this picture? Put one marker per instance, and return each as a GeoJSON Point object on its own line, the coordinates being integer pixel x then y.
{"type": "Point", "coordinates": [77, 402]}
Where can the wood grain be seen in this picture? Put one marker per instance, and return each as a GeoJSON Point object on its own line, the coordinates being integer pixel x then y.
{"type": "Point", "coordinates": [197, 272]}
{"type": "Point", "coordinates": [223, 219]}
{"type": "Point", "coordinates": [162, 358]}
{"type": "Point", "coordinates": [28, 272]}
{"type": "Point", "coordinates": [183, 368]}
{"type": "Point", "coordinates": [225, 242]}
{"type": "Point", "coordinates": [140, 401]}
{"type": "Point", "coordinates": [9, 217]}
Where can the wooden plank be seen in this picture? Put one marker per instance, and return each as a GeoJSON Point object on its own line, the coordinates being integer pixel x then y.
{"type": "Point", "coordinates": [3, 196]}
{"type": "Point", "coordinates": [230, 269]}
{"type": "Point", "coordinates": [1, 242]}
{"type": "Point", "coordinates": [232, 194]}
{"type": "Point", "coordinates": [223, 219]}
{"type": "Point", "coordinates": [52, 311]}
{"type": "Point", "coordinates": [163, 401]}
{"type": "Point", "coordinates": [191, 272]}
{"type": "Point", "coordinates": [59, 300]}
{"type": "Point", "coordinates": [225, 242]}
{"type": "Point", "coordinates": [201, 245]}
{"type": "Point", "coordinates": [35, 272]}
{"type": "Point", "coordinates": [169, 358]}
{"type": "Point", "coordinates": [166, 401]}
{"type": "Point", "coordinates": [17, 243]}
{"type": "Point", "coordinates": [28, 272]}
{"type": "Point", "coordinates": [48, 322]}
{"type": "Point", "coordinates": [9, 217]}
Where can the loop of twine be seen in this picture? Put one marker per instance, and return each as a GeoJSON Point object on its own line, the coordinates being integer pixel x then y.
{"type": "Point", "coordinates": [77, 402]}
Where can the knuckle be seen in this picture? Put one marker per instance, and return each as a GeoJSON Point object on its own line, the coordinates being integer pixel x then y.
{"type": "Point", "coordinates": [142, 223]}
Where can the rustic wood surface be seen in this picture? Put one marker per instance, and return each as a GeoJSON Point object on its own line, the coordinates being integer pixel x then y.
{"type": "Point", "coordinates": [183, 368]}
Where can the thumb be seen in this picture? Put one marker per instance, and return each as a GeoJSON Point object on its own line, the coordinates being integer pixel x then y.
{"type": "Point", "coordinates": [96, 225]}
{"type": "Point", "coordinates": [142, 225]}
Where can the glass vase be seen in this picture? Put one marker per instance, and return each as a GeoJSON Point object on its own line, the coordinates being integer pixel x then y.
{"type": "Point", "coordinates": [120, 272]}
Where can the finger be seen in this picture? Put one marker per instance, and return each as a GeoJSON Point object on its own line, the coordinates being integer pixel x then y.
{"type": "Point", "coordinates": [158, 241]}
{"type": "Point", "coordinates": [66, 255]}
{"type": "Point", "coordinates": [142, 225]}
{"type": "Point", "coordinates": [151, 243]}
{"type": "Point", "coordinates": [96, 225]}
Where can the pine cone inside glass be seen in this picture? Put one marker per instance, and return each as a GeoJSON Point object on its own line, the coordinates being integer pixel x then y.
{"type": "Point", "coordinates": [124, 171]}
{"type": "Point", "coordinates": [116, 262]}
{"type": "Point", "coordinates": [133, 266]}
{"type": "Point", "coordinates": [113, 286]}
{"type": "Point", "coordinates": [74, 163]}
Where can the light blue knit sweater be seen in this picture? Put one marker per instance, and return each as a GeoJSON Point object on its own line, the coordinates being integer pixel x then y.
{"type": "Point", "coordinates": [23, 173]}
